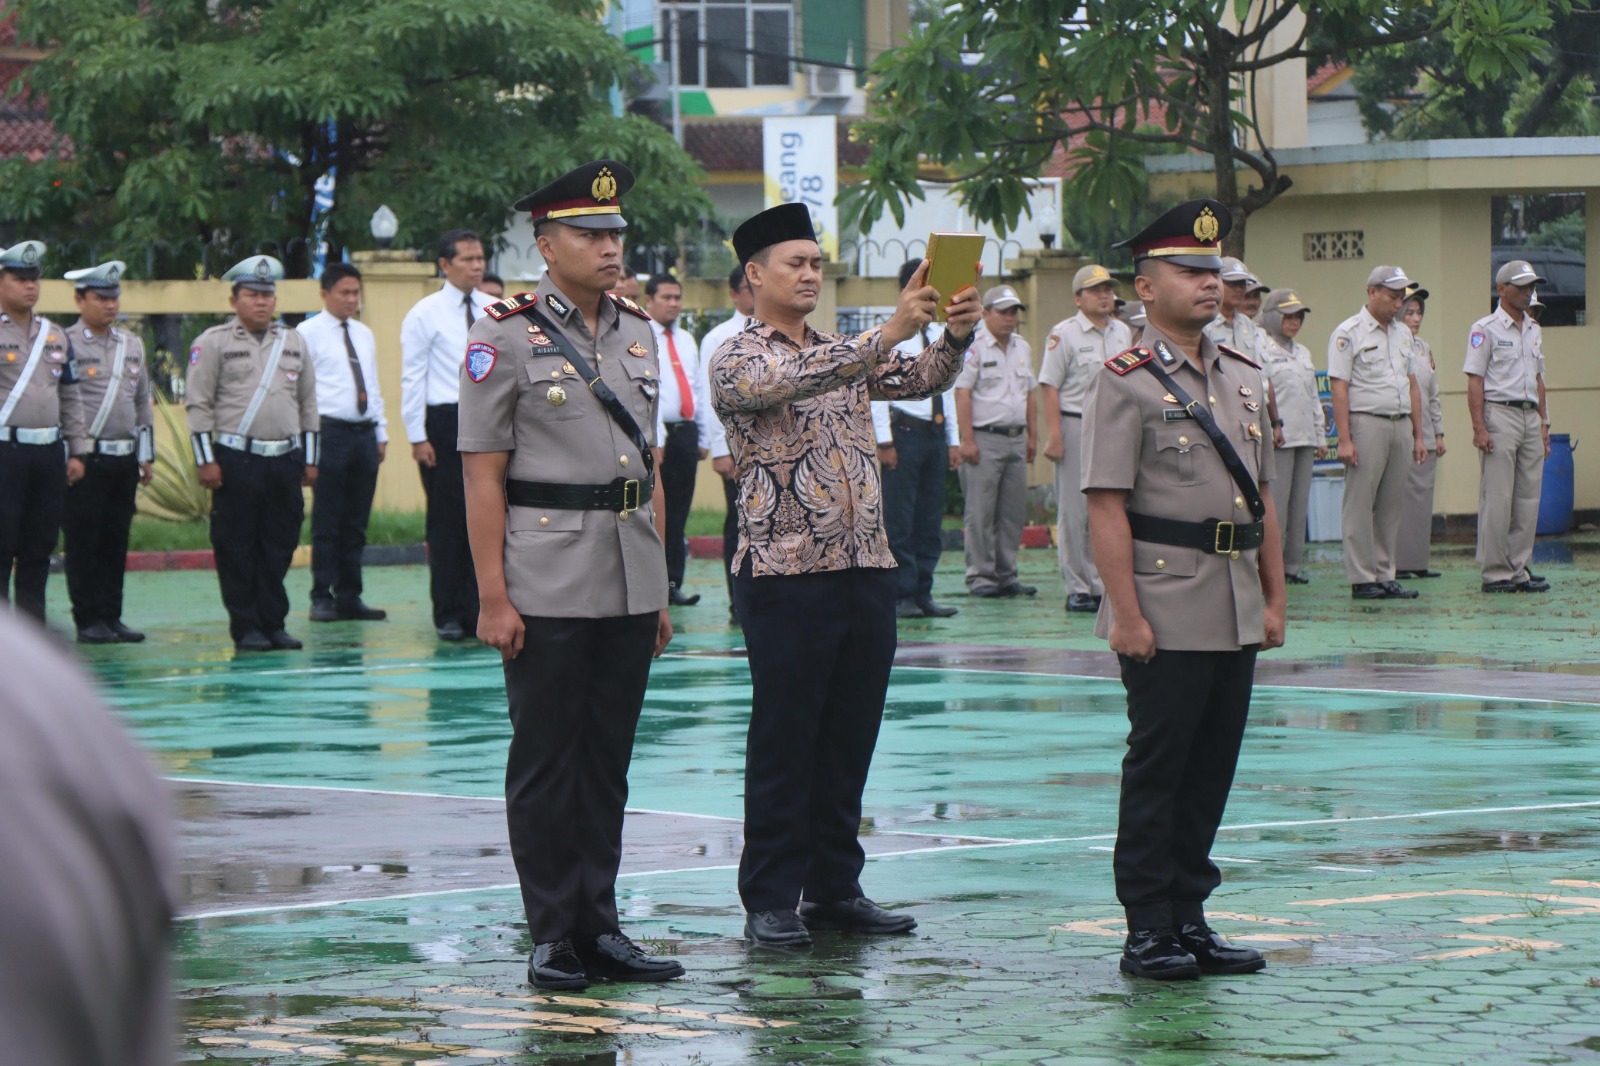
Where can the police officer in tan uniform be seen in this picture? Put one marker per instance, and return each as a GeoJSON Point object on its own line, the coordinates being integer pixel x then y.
{"type": "Point", "coordinates": [1073, 354]}
{"type": "Point", "coordinates": [1377, 413]}
{"type": "Point", "coordinates": [115, 455]}
{"type": "Point", "coordinates": [1416, 519]}
{"type": "Point", "coordinates": [254, 428]}
{"type": "Point", "coordinates": [35, 413]}
{"type": "Point", "coordinates": [560, 446]}
{"type": "Point", "coordinates": [1299, 434]}
{"type": "Point", "coordinates": [1177, 465]}
{"type": "Point", "coordinates": [1510, 429]}
{"type": "Point", "coordinates": [1232, 328]}
{"type": "Point", "coordinates": [995, 412]}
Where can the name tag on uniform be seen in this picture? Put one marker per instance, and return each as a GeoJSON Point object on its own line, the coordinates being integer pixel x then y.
{"type": "Point", "coordinates": [545, 349]}
{"type": "Point", "coordinates": [1177, 415]}
{"type": "Point", "coordinates": [989, 363]}
{"type": "Point", "coordinates": [1504, 344]}
{"type": "Point", "coordinates": [236, 355]}
{"type": "Point", "coordinates": [1087, 348]}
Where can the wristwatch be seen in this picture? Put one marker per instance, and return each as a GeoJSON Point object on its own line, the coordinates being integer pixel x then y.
{"type": "Point", "coordinates": [1277, 423]}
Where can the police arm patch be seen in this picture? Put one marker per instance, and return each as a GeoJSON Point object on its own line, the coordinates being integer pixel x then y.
{"type": "Point", "coordinates": [1477, 338]}
{"type": "Point", "coordinates": [480, 360]}
{"type": "Point", "coordinates": [1128, 360]}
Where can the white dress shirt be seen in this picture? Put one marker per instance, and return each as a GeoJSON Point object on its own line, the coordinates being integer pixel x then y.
{"type": "Point", "coordinates": [433, 342]}
{"type": "Point", "coordinates": [336, 386]}
{"type": "Point", "coordinates": [922, 408]}
{"type": "Point", "coordinates": [671, 403]}
{"type": "Point", "coordinates": [713, 340]}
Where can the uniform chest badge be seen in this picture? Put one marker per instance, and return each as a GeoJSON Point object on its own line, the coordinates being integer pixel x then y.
{"type": "Point", "coordinates": [92, 372]}
{"type": "Point", "coordinates": [1251, 405]}
{"type": "Point", "coordinates": [1169, 398]}
{"type": "Point", "coordinates": [538, 336]}
{"type": "Point", "coordinates": [557, 395]}
{"type": "Point", "coordinates": [11, 357]}
{"type": "Point", "coordinates": [55, 371]}
{"type": "Point", "coordinates": [1245, 390]}
{"type": "Point", "coordinates": [292, 375]}
{"type": "Point", "coordinates": [480, 360]}
{"type": "Point", "coordinates": [637, 350]}
{"type": "Point", "coordinates": [568, 368]}
{"type": "Point", "coordinates": [1253, 431]}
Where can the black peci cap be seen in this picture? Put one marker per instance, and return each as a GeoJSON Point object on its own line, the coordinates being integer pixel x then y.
{"type": "Point", "coordinates": [588, 197]}
{"type": "Point", "coordinates": [786, 222]}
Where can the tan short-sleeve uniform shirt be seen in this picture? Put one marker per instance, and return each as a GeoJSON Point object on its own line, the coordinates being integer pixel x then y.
{"type": "Point", "coordinates": [124, 392]}
{"type": "Point", "coordinates": [520, 394]}
{"type": "Point", "coordinates": [1294, 383]}
{"type": "Point", "coordinates": [1375, 360]}
{"type": "Point", "coordinates": [226, 365]}
{"type": "Point", "coordinates": [1075, 351]}
{"type": "Point", "coordinates": [1000, 379]}
{"type": "Point", "coordinates": [1139, 440]}
{"type": "Point", "coordinates": [1507, 356]}
{"type": "Point", "coordinates": [42, 405]}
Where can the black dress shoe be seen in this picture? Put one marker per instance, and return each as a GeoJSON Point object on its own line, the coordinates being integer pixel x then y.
{"type": "Point", "coordinates": [357, 611]}
{"type": "Point", "coordinates": [676, 597]}
{"type": "Point", "coordinates": [936, 610]}
{"type": "Point", "coordinates": [614, 957]}
{"type": "Point", "coordinates": [556, 966]}
{"type": "Point", "coordinates": [1423, 573]}
{"type": "Point", "coordinates": [776, 929]}
{"type": "Point", "coordinates": [280, 639]}
{"type": "Point", "coordinates": [255, 640]}
{"type": "Point", "coordinates": [1367, 590]}
{"type": "Point", "coordinates": [1502, 586]}
{"type": "Point", "coordinates": [324, 611]}
{"type": "Point", "coordinates": [1216, 955]}
{"type": "Point", "coordinates": [1017, 590]}
{"type": "Point", "coordinates": [1534, 577]}
{"type": "Point", "coordinates": [907, 609]}
{"type": "Point", "coordinates": [1158, 955]}
{"type": "Point", "coordinates": [1083, 602]}
{"type": "Point", "coordinates": [1296, 579]}
{"type": "Point", "coordinates": [984, 593]}
{"type": "Point", "coordinates": [1393, 590]}
{"type": "Point", "coordinates": [126, 635]}
{"type": "Point", "coordinates": [859, 915]}
{"type": "Point", "coordinates": [98, 633]}
{"type": "Point", "coordinates": [451, 631]}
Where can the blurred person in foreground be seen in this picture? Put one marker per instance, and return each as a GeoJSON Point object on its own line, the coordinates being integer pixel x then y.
{"type": "Point", "coordinates": [86, 873]}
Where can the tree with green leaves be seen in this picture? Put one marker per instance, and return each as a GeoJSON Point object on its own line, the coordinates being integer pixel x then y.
{"type": "Point", "coordinates": [985, 95]}
{"type": "Point", "coordinates": [196, 130]}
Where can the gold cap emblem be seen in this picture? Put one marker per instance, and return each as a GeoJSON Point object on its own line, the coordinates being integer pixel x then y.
{"type": "Point", "coordinates": [557, 395]}
{"type": "Point", "coordinates": [1206, 226]}
{"type": "Point", "coordinates": [605, 185]}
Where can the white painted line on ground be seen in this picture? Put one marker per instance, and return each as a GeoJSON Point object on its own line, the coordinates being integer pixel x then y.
{"type": "Point", "coordinates": [336, 788]}
{"type": "Point", "coordinates": [1344, 869]}
{"type": "Point", "coordinates": [238, 912]}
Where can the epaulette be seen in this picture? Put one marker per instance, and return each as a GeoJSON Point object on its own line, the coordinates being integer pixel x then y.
{"type": "Point", "coordinates": [628, 305]}
{"type": "Point", "coordinates": [1130, 359]}
{"type": "Point", "coordinates": [510, 305]}
{"type": "Point", "coordinates": [1225, 350]}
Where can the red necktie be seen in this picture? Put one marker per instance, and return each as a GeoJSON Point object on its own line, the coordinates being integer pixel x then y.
{"type": "Point", "coordinates": [685, 394]}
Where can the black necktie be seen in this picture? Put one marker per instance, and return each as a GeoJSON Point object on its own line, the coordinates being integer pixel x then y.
{"type": "Point", "coordinates": [355, 369]}
{"type": "Point", "coordinates": [466, 303]}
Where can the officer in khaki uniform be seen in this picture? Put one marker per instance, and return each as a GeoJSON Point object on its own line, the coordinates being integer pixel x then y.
{"type": "Point", "coordinates": [1073, 354]}
{"type": "Point", "coordinates": [35, 413]}
{"type": "Point", "coordinates": [1377, 415]}
{"type": "Point", "coordinates": [1232, 328]}
{"type": "Point", "coordinates": [113, 457]}
{"type": "Point", "coordinates": [995, 412]}
{"type": "Point", "coordinates": [1300, 434]}
{"type": "Point", "coordinates": [572, 579]}
{"type": "Point", "coordinates": [1177, 465]}
{"type": "Point", "coordinates": [1510, 429]}
{"type": "Point", "coordinates": [1416, 520]}
{"type": "Point", "coordinates": [254, 428]}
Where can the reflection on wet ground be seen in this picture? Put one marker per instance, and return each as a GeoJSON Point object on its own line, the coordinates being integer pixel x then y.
{"type": "Point", "coordinates": [1411, 839]}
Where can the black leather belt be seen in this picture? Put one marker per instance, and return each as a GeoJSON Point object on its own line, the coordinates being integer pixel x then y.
{"type": "Point", "coordinates": [1071, 414]}
{"type": "Point", "coordinates": [623, 495]}
{"type": "Point", "coordinates": [913, 424]}
{"type": "Point", "coordinates": [345, 423]}
{"type": "Point", "coordinates": [1003, 431]}
{"type": "Point", "coordinates": [1386, 418]}
{"type": "Point", "coordinates": [1521, 405]}
{"type": "Point", "coordinates": [1212, 535]}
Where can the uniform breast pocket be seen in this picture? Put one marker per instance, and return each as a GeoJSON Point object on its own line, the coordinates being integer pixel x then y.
{"type": "Point", "coordinates": [1250, 448]}
{"type": "Point", "coordinates": [552, 395]}
{"type": "Point", "coordinates": [643, 388]}
{"type": "Point", "coordinates": [1183, 455]}
{"type": "Point", "coordinates": [1164, 559]}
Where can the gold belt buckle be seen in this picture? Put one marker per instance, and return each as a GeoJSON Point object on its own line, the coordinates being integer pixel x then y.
{"type": "Point", "coordinates": [637, 490]}
{"type": "Point", "coordinates": [1218, 547]}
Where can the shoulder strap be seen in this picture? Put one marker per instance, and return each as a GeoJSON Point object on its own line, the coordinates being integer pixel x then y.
{"type": "Point", "coordinates": [614, 406]}
{"type": "Point", "coordinates": [1128, 360]}
{"type": "Point", "coordinates": [265, 384]}
{"type": "Point", "coordinates": [510, 305]}
{"type": "Point", "coordinates": [112, 387]}
{"type": "Point", "coordinates": [628, 305]}
{"type": "Point", "coordinates": [27, 371]}
{"type": "Point", "coordinates": [1230, 457]}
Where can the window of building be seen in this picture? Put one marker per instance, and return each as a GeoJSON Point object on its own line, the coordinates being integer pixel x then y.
{"type": "Point", "coordinates": [1549, 230]}
{"type": "Point", "coordinates": [731, 44]}
{"type": "Point", "coordinates": [1339, 244]}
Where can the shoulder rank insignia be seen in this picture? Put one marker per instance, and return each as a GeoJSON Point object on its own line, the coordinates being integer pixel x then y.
{"type": "Point", "coordinates": [509, 306]}
{"type": "Point", "coordinates": [1225, 350]}
{"type": "Point", "coordinates": [1128, 360]}
{"type": "Point", "coordinates": [628, 305]}
{"type": "Point", "coordinates": [556, 304]}
{"type": "Point", "coordinates": [1164, 353]}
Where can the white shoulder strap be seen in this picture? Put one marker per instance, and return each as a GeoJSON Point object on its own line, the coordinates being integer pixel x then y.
{"type": "Point", "coordinates": [112, 386]}
{"type": "Point", "coordinates": [27, 371]}
{"type": "Point", "coordinates": [264, 385]}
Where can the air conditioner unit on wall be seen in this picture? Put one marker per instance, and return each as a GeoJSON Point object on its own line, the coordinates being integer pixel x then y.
{"type": "Point", "coordinates": [829, 83]}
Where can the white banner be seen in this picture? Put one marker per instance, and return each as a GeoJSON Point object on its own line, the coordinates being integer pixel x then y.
{"type": "Point", "coordinates": [800, 161]}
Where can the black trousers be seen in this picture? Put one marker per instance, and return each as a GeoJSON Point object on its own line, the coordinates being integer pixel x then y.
{"type": "Point", "coordinates": [1187, 712]}
{"type": "Point", "coordinates": [575, 693]}
{"type": "Point", "coordinates": [341, 506]}
{"type": "Point", "coordinates": [99, 513]}
{"type": "Point", "coordinates": [730, 531]}
{"type": "Point", "coordinates": [821, 646]}
{"type": "Point", "coordinates": [452, 581]}
{"type": "Point", "coordinates": [255, 527]}
{"type": "Point", "coordinates": [680, 461]}
{"type": "Point", "coordinates": [33, 484]}
{"type": "Point", "coordinates": [913, 503]}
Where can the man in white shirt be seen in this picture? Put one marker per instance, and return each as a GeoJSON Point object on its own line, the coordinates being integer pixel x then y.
{"type": "Point", "coordinates": [433, 342]}
{"type": "Point", "coordinates": [918, 441]}
{"type": "Point", "coordinates": [354, 442]}
{"type": "Point", "coordinates": [686, 410]}
{"type": "Point", "coordinates": [744, 304]}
